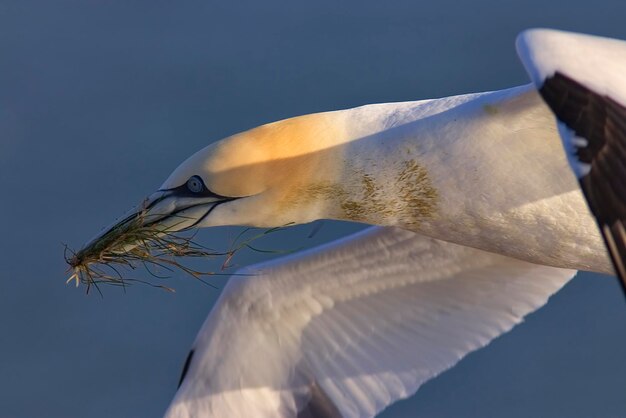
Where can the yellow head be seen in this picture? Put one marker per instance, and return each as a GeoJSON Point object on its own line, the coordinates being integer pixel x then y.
{"type": "Point", "coordinates": [261, 177]}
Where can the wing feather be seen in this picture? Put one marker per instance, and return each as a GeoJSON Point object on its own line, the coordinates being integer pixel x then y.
{"type": "Point", "coordinates": [582, 78]}
{"type": "Point", "coordinates": [353, 326]}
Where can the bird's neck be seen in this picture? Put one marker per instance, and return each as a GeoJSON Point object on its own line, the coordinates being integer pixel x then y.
{"type": "Point", "coordinates": [409, 164]}
{"type": "Point", "coordinates": [476, 169]}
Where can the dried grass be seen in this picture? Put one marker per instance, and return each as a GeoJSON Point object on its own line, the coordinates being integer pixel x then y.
{"type": "Point", "coordinates": [134, 243]}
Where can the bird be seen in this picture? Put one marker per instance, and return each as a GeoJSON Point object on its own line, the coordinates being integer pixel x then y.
{"type": "Point", "coordinates": [481, 211]}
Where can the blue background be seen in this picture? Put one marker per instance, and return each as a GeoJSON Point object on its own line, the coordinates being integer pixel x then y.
{"type": "Point", "coordinates": [100, 100]}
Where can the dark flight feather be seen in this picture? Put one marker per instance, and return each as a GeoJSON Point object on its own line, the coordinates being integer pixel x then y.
{"type": "Point", "coordinates": [185, 367]}
{"type": "Point", "coordinates": [602, 122]}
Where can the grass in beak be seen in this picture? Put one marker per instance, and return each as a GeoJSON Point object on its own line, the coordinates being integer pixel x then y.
{"type": "Point", "coordinates": [132, 244]}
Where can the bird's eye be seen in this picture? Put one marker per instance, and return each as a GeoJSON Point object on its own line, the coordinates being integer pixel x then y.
{"type": "Point", "coordinates": [194, 184]}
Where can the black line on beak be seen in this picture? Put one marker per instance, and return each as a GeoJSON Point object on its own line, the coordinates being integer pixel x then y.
{"type": "Point", "coordinates": [214, 205]}
{"type": "Point", "coordinates": [208, 212]}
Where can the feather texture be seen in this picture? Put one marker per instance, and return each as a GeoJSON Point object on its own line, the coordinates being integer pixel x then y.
{"type": "Point", "coordinates": [582, 78]}
{"type": "Point", "coordinates": [348, 328]}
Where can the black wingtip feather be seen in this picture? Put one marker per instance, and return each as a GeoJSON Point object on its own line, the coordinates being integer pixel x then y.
{"type": "Point", "coordinates": [319, 405]}
{"type": "Point", "coordinates": [602, 122]}
{"type": "Point", "coordinates": [185, 368]}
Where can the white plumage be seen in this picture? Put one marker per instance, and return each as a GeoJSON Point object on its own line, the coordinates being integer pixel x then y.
{"type": "Point", "coordinates": [481, 221]}
{"type": "Point", "coordinates": [594, 61]}
{"type": "Point", "coordinates": [351, 327]}
{"type": "Point", "coordinates": [582, 78]}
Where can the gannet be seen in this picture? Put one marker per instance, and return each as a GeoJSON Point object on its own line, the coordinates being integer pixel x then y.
{"type": "Point", "coordinates": [480, 218]}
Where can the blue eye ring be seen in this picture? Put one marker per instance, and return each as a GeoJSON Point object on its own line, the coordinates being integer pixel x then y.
{"type": "Point", "coordinates": [195, 184]}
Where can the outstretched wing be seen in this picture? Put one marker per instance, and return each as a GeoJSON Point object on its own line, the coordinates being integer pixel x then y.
{"type": "Point", "coordinates": [346, 329]}
{"type": "Point", "coordinates": [582, 78]}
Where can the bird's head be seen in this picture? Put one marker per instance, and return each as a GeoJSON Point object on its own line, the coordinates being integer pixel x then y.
{"type": "Point", "coordinates": [255, 178]}
{"type": "Point", "coordinates": [274, 175]}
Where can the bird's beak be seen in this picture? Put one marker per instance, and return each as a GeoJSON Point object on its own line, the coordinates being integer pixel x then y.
{"type": "Point", "coordinates": [169, 211]}
{"type": "Point", "coordinates": [161, 214]}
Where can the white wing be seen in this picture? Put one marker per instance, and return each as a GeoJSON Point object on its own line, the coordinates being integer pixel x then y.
{"type": "Point", "coordinates": [348, 328]}
{"type": "Point", "coordinates": [596, 62]}
{"type": "Point", "coordinates": [582, 78]}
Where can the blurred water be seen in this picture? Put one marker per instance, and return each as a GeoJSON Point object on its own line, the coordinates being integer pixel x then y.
{"type": "Point", "coordinates": [100, 100]}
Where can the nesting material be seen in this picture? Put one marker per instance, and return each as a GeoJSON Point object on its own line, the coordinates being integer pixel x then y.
{"type": "Point", "coordinates": [136, 242]}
